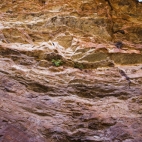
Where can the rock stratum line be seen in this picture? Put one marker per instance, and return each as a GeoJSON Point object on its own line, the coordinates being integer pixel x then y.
{"type": "Point", "coordinates": [70, 71]}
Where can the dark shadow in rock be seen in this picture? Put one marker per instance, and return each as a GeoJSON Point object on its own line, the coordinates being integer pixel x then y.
{"type": "Point", "coordinates": [98, 90]}
{"type": "Point", "coordinates": [5, 52]}
{"type": "Point", "coordinates": [37, 87]}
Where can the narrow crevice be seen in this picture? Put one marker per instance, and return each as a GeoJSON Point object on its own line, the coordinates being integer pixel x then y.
{"type": "Point", "coordinates": [109, 4]}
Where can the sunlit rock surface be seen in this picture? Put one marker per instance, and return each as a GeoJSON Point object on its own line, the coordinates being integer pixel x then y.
{"type": "Point", "coordinates": [70, 71]}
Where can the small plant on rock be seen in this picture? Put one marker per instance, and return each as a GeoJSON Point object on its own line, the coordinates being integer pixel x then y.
{"type": "Point", "coordinates": [57, 62]}
{"type": "Point", "coordinates": [78, 65]}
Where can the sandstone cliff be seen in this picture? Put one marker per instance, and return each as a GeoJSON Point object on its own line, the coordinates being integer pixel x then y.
{"type": "Point", "coordinates": [70, 71]}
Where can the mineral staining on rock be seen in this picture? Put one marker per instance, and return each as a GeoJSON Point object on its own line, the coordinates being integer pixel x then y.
{"type": "Point", "coordinates": [70, 71]}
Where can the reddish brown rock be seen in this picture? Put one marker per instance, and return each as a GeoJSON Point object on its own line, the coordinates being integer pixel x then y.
{"type": "Point", "coordinates": [63, 76]}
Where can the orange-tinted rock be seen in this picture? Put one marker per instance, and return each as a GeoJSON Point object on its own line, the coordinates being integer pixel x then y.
{"type": "Point", "coordinates": [64, 76]}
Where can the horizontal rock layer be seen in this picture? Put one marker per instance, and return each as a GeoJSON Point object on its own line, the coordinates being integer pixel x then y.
{"type": "Point", "coordinates": [71, 71]}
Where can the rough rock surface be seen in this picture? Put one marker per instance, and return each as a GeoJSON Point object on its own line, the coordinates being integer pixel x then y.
{"type": "Point", "coordinates": [70, 71]}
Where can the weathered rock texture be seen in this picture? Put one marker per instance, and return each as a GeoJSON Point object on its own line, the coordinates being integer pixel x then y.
{"type": "Point", "coordinates": [70, 71]}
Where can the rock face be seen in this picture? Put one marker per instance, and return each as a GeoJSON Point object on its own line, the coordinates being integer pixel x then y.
{"type": "Point", "coordinates": [70, 71]}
